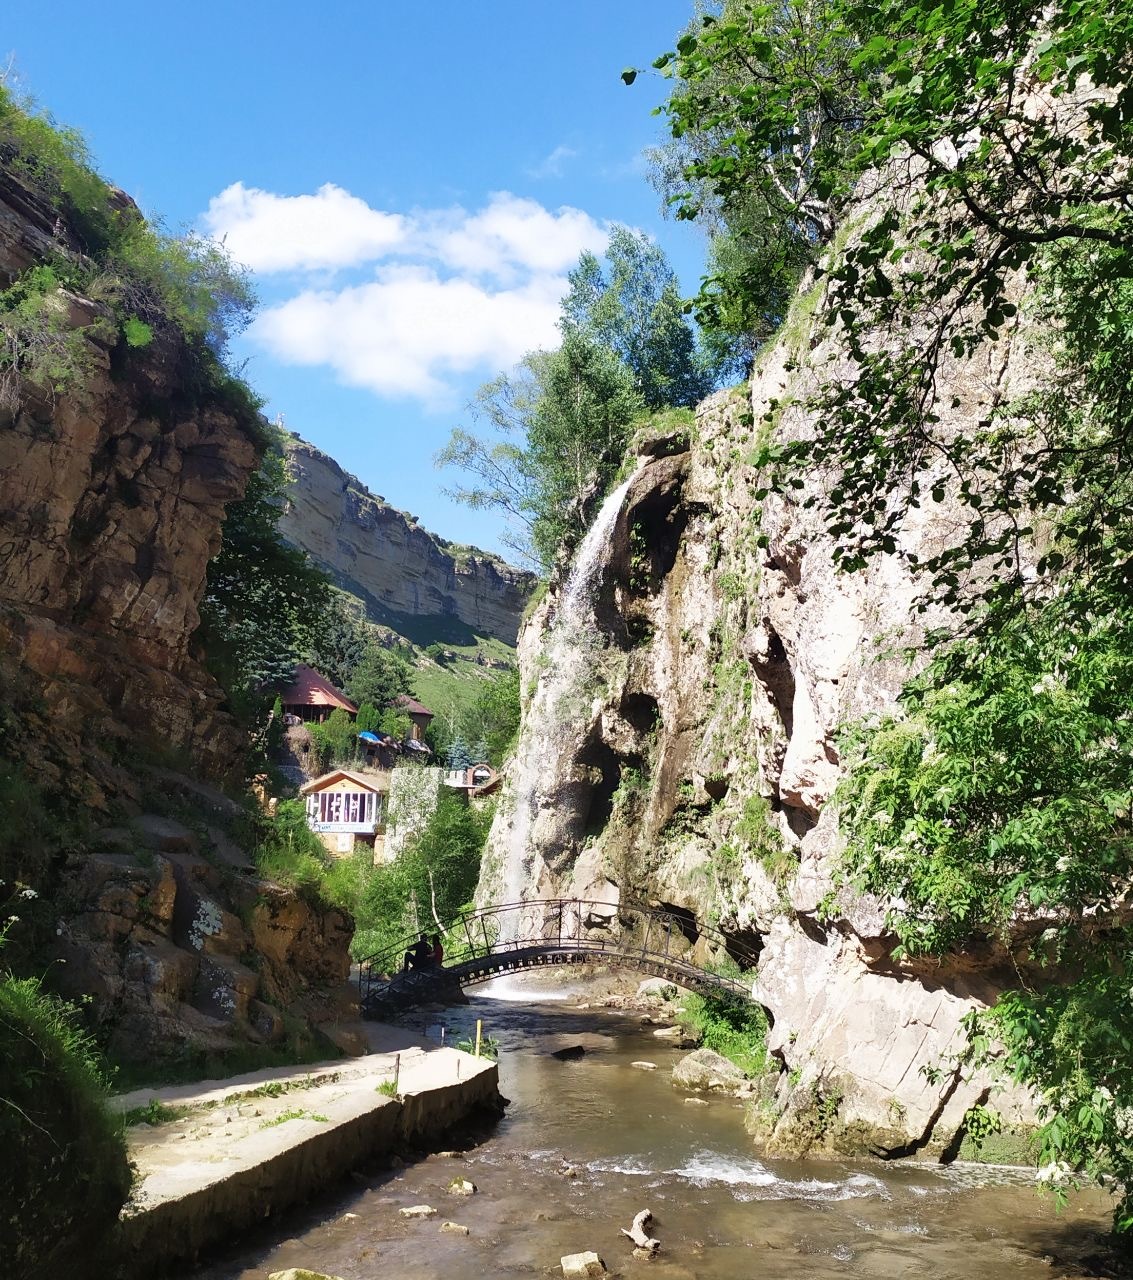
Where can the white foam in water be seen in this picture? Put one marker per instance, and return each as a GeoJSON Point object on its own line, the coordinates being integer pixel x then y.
{"type": "Point", "coordinates": [516, 991]}
{"type": "Point", "coordinates": [749, 1179]}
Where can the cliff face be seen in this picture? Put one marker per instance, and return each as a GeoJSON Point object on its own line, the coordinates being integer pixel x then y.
{"type": "Point", "coordinates": [112, 498]}
{"type": "Point", "coordinates": [696, 757]}
{"type": "Point", "coordinates": [402, 572]}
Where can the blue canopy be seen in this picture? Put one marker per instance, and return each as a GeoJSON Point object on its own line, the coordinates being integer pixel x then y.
{"type": "Point", "coordinates": [367, 736]}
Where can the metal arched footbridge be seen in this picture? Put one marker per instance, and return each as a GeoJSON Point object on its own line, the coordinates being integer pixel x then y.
{"type": "Point", "coordinates": [520, 936]}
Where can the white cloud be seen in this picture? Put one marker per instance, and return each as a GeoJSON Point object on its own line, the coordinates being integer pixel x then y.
{"type": "Point", "coordinates": [516, 234]}
{"type": "Point", "coordinates": [404, 333]}
{"type": "Point", "coordinates": [551, 166]}
{"type": "Point", "coordinates": [448, 291]}
{"type": "Point", "coordinates": [331, 228]}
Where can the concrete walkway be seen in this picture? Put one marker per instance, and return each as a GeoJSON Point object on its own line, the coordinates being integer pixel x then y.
{"type": "Point", "coordinates": [241, 1149]}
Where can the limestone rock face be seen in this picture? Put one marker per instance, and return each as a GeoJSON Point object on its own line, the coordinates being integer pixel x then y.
{"type": "Point", "coordinates": [692, 762]}
{"type": "Point", "coordinates": [385, 557]}
{"type": "Point", "coordinates": [112, 498]}
{"type": "Point", "coordinates": [172, 968]}
{"type": "Point", "coordinates": [113, 494]}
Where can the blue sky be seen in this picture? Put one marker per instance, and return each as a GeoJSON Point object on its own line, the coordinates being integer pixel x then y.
{"type": "Point", "coordinates": [409, 183]}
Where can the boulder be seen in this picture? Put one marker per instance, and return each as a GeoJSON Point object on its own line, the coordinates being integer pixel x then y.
{"type": "Point", "coordinates": [301, 1273]}
{"type": "Point", "coordinates": [662, 988]}
{"type": "Point", "coordinates": [569, 1053]}
{"type": "Point", "coordinates": [707, 1069]}
{"type": "Point", "coordinates": [461, 1187]}
{"type": "Point", "coordinates": [582, 1266]}
{"type": "Point", "coordinates": [418, 1211]}
{"type": "Point", "coordinates": [454, 1228]}
{"type": "Point", "coordinates": [644, 1066]}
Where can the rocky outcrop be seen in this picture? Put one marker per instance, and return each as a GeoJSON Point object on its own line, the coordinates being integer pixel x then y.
{"type": "Point", "coordinates": [113, 493]}
{"type": "Point", "coordinates": [112, 497]}
{"type": "Point", "coordinates": [183, 952]}
{"type": "Point", "coordinates": [382, 555]}
{"type": "Point", "coordinates": [694, 762]}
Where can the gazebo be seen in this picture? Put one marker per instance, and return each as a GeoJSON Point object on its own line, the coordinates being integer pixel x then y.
{"type": "Point", "coordinates": [312, 697]}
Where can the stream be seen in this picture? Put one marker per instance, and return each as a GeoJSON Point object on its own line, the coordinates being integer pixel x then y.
{"type": "Point", "coordinates": [720, 1211]}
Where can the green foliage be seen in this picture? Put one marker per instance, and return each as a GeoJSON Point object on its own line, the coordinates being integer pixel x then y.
{"type": "Point", "coordinates": [739, 1032]}
{"type": "Point", "coordinates": [65, 1173]}
{"type": "Point", "coordinates": [287, 851]}
{"type": "Point", "coordinates": [1005, 790]}
{"type": "Point", "coordinates": [149, 279]}
{"type": "Point", "coordinates": [37, 345]}
{"type": "Point", "coordinates": [335, 740]}
{"type": "Point", "coordinates": [764, 114]}
{"type": "Point", "coordinates": [442, 862]}
{"type": "Point", "coordinates": [153, 1113]}
{"type": "Point", "coordinates": [367, 719]}
{"type": "Point", "coordinates": [395, 724]}
{"type": "Point", "coordinates": [340, 643]}
{"type": "Point", "coordinates": [632, 307]}
{"type": "Point", "coordinates": [265, 604]}
{"type": "Point", "coordinates": [380, 677]}
{"type": "Point", "coordinates": [489, 1045]}
{"type": "Point", "coordinates": [565, 416]}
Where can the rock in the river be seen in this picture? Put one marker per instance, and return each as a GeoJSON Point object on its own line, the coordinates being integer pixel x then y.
{"type": "Point", "coordinates": [659, 987]}
{"type": "Point", "coordinates": [683, 1036]}
{"type": "Point", "coordinates": [582, 1266]}
{"type": "Point", "coordinates": [569, 1053]}
{"type": "Point", "coordinates": [301, 1273]}
{"type": "Point", "coordinates": [418, 1211]}
{"type": "Point", "coordinates": [644, 1066]}
{"type": "Point", "coordinates": [706, 1069]}
{"type": "Point", "coordinates": [461, 1187]}
{"type": "Point", "coordinates": [454, 1228]}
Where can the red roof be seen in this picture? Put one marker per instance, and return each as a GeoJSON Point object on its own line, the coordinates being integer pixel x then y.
{"type": "Point", "coordinates": [411, 705]}
{"type": "Point", "coordinates": [309, 689]}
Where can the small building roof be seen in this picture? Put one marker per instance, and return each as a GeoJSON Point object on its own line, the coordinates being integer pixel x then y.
{"type": "Point", "coordinates": [371, 782]}
{"type": "Point", "coordinates": [310, 689]}
{"type": "Point", "coordinates": [415, 708]}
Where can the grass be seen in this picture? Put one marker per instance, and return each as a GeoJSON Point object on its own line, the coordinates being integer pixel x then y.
{"type": "Point", "coordinates": [293, 1113]}
{"type": "Point", "coordinates": [738, 1032]}
{"type": "Point", "coordinates": [154, 1113]}
{"type": "Point", "coordinates": [388, 1088]}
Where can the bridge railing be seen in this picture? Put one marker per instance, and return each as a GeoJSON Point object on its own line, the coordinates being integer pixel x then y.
{"type": "Point", "coordinates": [625, 929]}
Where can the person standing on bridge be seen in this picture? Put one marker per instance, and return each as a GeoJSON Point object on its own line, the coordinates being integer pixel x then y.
{"type": "Point", "coordinates": [438, 951]}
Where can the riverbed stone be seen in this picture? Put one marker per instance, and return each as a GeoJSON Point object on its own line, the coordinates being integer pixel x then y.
{"type": "Point", "coordinates": [659, 987]}
{"type": "Point", "coordinates": [301, 1273]}
{"type": "Point", "coordinates": [706, 1069]}
{"type": "Point", "coordinates": [644, 1066]}
{"type": "Point", "coordinates": [582, 1266]}
{"type": "Point", "coordinates": [454, 1228]}
{"type": "Point", "coordinates": [418, 1211]}
{"type": "Point", "coordinates": [461, 1187]}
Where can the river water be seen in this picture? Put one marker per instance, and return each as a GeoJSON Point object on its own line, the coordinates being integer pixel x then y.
{"type": "Point", "coordinates": [634, 1142]}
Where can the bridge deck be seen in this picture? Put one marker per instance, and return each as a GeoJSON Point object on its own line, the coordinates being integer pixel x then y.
{"type": "Point", "coordinates": [488, 957]}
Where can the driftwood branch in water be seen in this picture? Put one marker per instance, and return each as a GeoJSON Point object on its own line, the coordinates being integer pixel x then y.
{"type": "Point", "coordinates": [638, 1235]}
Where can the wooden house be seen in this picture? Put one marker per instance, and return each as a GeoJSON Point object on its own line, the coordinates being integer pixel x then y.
{"type": "Point", "coordinates": [345, 806]}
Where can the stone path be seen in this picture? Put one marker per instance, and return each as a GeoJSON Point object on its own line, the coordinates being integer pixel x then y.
{"type": "Point", "coordinates": [241, 1148]}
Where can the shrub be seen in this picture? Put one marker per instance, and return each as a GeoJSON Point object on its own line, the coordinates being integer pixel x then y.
{"type": "Point", "coordinates": [65, 1174]}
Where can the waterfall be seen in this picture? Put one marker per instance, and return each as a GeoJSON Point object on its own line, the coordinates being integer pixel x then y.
{"type": "Point", "coordinates": [567, 670]}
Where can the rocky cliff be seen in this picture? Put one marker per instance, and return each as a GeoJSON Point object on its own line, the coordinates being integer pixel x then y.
{"type": "Point", "coordinates": [404, 574]}
{"type": "Point", "coordinates": [695, 757]}
{"type": "Point", "coordinates": [112, 496]}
